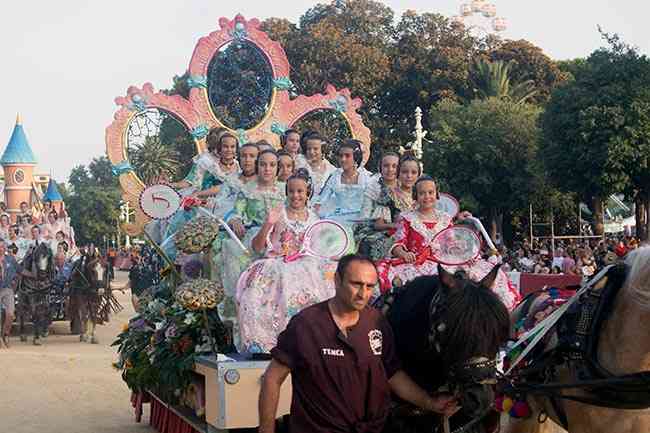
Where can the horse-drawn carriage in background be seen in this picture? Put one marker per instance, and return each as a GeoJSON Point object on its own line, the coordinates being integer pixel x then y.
{"type": "Point", "coordinates": [79, 291]}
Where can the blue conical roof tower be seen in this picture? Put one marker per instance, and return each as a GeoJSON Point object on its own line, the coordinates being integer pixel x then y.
{"type": "Point", "coordinates": [18, 150]}
{"type": "Point", "coordinates": [18, 163]}
{"type": "Point", "coordinates": [52, 194]}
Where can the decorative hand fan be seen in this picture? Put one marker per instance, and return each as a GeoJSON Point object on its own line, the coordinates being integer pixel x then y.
{"type": "Point", "coordinates": [323, 239]}
{"type": "Point", "coordinates": [159, 201]}
{"type": "Point", "coordinates": [455, 246]}
{"type": "Point", "coordinates": [448, 204]}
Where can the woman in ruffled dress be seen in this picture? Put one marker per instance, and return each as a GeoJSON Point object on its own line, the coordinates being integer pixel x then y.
{"type": "Point", "coordinates": [318, 167]}
{"type": "Point", "coordinates": [383, 203]}
{"type": "Point", "coordinates": [412, 255]}
{"type": "Point", "coordinates": [342, 195]}
{"type": "Point", "coordinates": [274, 289]}
{"type": "Point", "coordinates": [232, 187]}
{"type": "Point", "coordinates": [205, 181]}
{"type": "Point", "coordinates": [212, 168]}
{"type": "Point", "coordinates": [246, 219]}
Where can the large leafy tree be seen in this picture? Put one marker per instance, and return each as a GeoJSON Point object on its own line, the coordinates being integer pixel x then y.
{"type": "Point", "coordinates": [347, 44]}
{"type": "Point", "coordinates": [93, 201]}
{"type": "Point", "coordinates": [430, 60]}
{"type": "Point", "coordinates": [597, 128]}
{"type": "Point", "coordinates": [343, 43]}
{"type": "Point", "coordinates": [486, 153]}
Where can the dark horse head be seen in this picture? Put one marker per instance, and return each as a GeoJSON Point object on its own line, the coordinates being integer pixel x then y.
{"type": "Point", "coordinates": [448, 331]}
{"type": "Point", "coordinates": [39, 261]}
{"type": "Point", "coordinates": [88, 272]}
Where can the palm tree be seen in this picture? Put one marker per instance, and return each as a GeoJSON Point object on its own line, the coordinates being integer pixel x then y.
{"type": "Point", "coordinates": [492, 80]}
{"type": "Point", "coordinates": [152, 159]}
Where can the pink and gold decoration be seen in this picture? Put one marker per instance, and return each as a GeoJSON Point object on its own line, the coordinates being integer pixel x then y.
{"type": "Point", "coordinates": [197, 113]}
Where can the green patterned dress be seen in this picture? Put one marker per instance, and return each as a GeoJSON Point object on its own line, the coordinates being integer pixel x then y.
{"type": "Point", "coordinates": [380, 202]}
{"type": "Point", "coordinates": [229, 261]}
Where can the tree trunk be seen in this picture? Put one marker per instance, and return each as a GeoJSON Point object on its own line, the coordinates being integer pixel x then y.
{"type": "Point", "coordinates": [641, 219]}
{"type": "Point", "coordinates": [597, 209]}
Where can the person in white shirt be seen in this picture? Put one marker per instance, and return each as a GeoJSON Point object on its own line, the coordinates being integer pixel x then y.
{"type": "Point", "coordinates": [558, 258]}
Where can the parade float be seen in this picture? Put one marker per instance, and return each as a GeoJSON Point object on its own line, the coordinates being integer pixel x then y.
{"type": "Point", "coordinates": [173, 353]}
{"type": "Point", "coordinates": [177, 353]}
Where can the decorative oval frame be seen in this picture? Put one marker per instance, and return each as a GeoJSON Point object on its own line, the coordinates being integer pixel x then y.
{"type": "Point", "coordinates": [283, 112]}
{"type": "Point", "coordinates": [136, 101]}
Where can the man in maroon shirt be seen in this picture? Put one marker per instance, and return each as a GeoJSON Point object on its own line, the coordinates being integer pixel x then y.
{"type": "Point", "coordinates": [343, 365]}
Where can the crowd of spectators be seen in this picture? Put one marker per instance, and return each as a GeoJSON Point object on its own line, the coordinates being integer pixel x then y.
{"type": "Point", "coordinates": [571, 257]}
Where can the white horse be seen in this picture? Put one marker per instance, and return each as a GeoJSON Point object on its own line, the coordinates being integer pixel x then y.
{"type": "Point", "coordinates": [624, 348]}
{"type": "Point", "coordinates": [91, 292]}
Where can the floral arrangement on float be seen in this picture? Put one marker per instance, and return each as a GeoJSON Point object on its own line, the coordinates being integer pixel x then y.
{"type": "Point", "coordinates": [177, 320]}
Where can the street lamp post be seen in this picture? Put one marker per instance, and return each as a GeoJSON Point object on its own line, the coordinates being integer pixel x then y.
{"type": "Point", "coordinates": [419, 134]}
{"type": "Point", "coordinates": [415, 147]}
{"type": "Point", "coordinates": [125, 213]}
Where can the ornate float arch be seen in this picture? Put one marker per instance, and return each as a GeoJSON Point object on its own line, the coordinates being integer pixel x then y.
{"type": "Point", "coordinates": [197, 113]}
{"type": "Point", "coordinates": [136, 102]}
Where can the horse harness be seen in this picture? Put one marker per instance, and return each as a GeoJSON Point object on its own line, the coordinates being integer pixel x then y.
{"type": "Point", "coordinates": [480, 371]}
{"type": "Point", "coordinates": [41, 281]}
{"type": "Point", "coordinates": [578, 331]}
{"type": "Point", "coordinates": [476, 371]}
{"type": "Point", "coordinates": [80, 268]}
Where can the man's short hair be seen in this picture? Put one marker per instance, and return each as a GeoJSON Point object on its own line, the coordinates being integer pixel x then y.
{"type": "Point", "coordinates": [346, 260]}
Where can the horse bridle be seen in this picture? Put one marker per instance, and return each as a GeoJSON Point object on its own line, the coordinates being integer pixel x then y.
{"type": "Point", "coordinates": [476, 370]}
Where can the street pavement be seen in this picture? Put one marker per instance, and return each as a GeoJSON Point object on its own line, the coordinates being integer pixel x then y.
{"type": "Point", "coordinates": [65, 386]}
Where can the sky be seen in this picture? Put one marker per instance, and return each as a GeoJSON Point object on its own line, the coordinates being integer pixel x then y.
{"type": "Point", "coordinates": [64, 62]}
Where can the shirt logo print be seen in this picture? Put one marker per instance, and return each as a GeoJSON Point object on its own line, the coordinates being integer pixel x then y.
{"type": "Point", "coordinates": [333, 352]}
{"type": "Point", "coordinates": [375, 339]}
